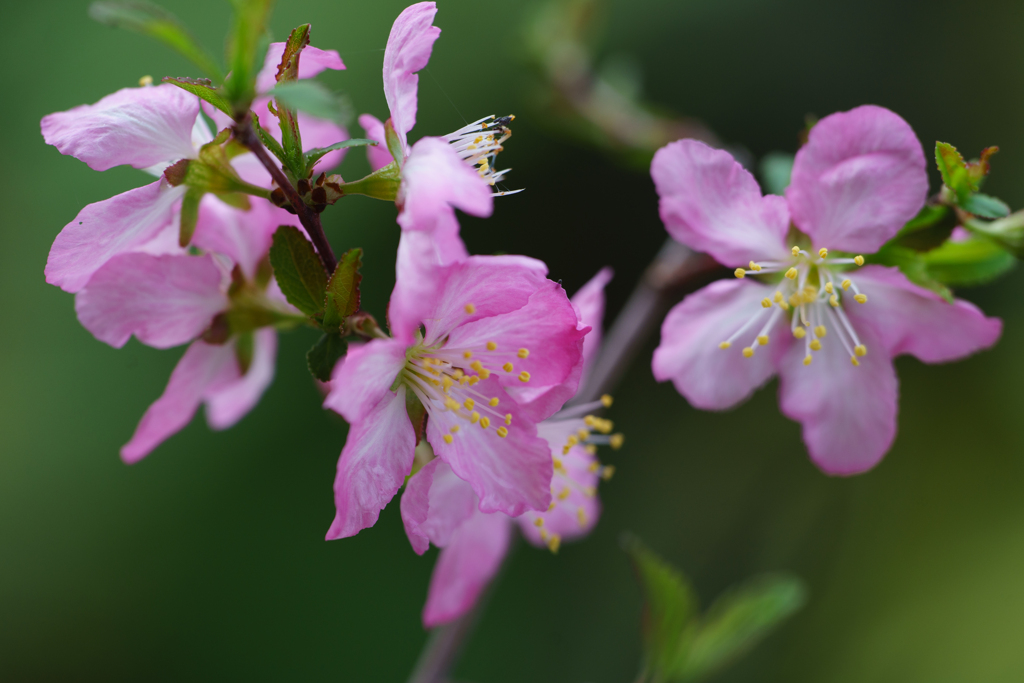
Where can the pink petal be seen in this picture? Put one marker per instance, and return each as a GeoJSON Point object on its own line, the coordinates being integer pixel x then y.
{"type": "Point", "coordinates": [408, 50]}
{"type": "Point", "coordinates": [419, 276]}
{"type": "Point", "coordinates": [242, 236]}
{"type": "Point", "coordinates": [105, 229]}
{"type": "Point", "coordinates": [378, 156]}
{"type": "Point", "coordinates": [202, 366]}
{"type": "Point", "coordinates": [163, 300]}
{"type": "Point", "coordinates": [435, 503]}
{"type": "Point", "coordinates": [910, 319]}
{"type": "Point", "coordinates": [135, 126]}
{"type": "Point", "coordinates": [510, 474]}
{"type": "Point", "coordinates": [434, 179]}
{"type": "Point", "coordinates": [312, 62]}
{"type": "Point", "coordinates": [378, 455]}
{"type": "Point", "coordinates": [465, 567]}
{"type": "Point", "coordinates": [709, 377]}
{"type": "Point", "coordinates": [364, 377]}
{"type": "Point", "coordinates": [848, 413]}
{"type": "Point", "coordinates": [565, 518]}
{"type": "Point", "coordinates": [589, 303]}
{"type": "Point", "coordinates": [712, 204]}
{"type": "Point", "coordinates": [858, 179]}
{"type": "Point", "coordinates": [227, 404]}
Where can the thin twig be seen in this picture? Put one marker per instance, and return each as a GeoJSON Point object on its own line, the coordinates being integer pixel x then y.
{"type": "Point", "coordinates": [309, 218]}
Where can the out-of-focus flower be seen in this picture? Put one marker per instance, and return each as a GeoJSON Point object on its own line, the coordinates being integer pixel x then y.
{"type": "Point", "coordinates": [500, 351]}
{"type": "Point", "coordinates": [857, 181]}
{"type": "Point", "coordinates": [440, 508]}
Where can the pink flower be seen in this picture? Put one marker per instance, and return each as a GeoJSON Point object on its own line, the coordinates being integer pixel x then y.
{"type": "Point", "coordinates": [860, 177]}
{"type": "Point", "coordinates": [440, 508]}
{"type": "Point", "coordinates": [169, 299]}
{"type": "Point", "coordinates": [437, 173]}
{"type": "Point", "coordinates": [497, 325]}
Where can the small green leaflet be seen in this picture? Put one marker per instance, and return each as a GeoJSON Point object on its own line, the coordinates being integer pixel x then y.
{"type": "Point", "coordinates": [203, 88]}
{"type": "Point", "coordinates": [298, 270]}
{"type": "Point", "coordinates": [314, 155]}
{"type": "Point", "coordinates": [985, 206]}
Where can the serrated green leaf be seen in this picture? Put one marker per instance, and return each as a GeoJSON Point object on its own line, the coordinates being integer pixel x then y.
{"type": "Point", "coordinates": [954, 171]}
{"type": "Point", "coordinates": [314, 155]}
{"type": "Point", "coordinates": [189, 215]}
{"type": "Point", "coordinates": [202, 88]}
{"type": "Point", "coordinates": [298, 270]}
{"type": "Point", "coordinates": [776, 169]}
{"type": "Point", "coordinates": [156, 22]}
{"type": "Point", "coordinates": [669, 605]}
{"type": "Point", "coordinates": [313, 98]}
{"type": "Point", "coordinates": [243, 47]}
{"type": "Point", "coordinates": [344, 283]}
{"type": "Point", "coordinates": [737, 621]}
{"type": "Point", "coordinates": [974, 261]}
{"type": "Point", "coordinates": [985, 206]}
{"type": "Point", "coordinates": [324, 355]}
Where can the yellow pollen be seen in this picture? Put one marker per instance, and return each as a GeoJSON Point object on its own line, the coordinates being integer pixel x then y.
{"type": "Point", "coordinates": [508, 418]}
{"type": "Point", "coordinates": [748, 352]}
{"type": "Point", "coordinates": [778, 297]}
{"type": "Point", "coordinates": [476, 365]}
{"type": "Point", "coordinates": [491, 346]}
{"type": "Point", "coordinates": [616, 441]}
{"type": "Point", "coordinates": [524, 376]}
{"type": "Point", "coordinates": [553, 542]}
{"type": "Point", "coordinates": [523, 353]}
{"type": "Point", "coordinates": [502, 432]}
{"type": "Point", "coordinates": [740, 273]}
{"type": "Point", "coordinates": [448, 438]}
{"type": "Point", "coordinates": [572, 440]}
{"type": "Point", "coordinates": [446, 384]}
{"type": "Point", "coordinates": [799, 332]}
{"type": "Point", "coordinates": [834, 301]}
{"type": "Point", "coordinates": [145, 80]}
{"type": "Point", "coordinates": [754, 267]}
{"type": "Point", "coordinates": [469, 403]}
{"type": "Point", "coordinates": [589, 491]}
{"type": "Point", "coordinates": [859, 260]}
{"type": "Point", "coordinates": [458, 374]}
{"type": "Point", "coordinates": [795, 300]}
{"type": "Point", "coordinates": [485, 422]}
{"type": "Point", "coordinates": [493, 402]}
{"type": "Point", "coordinates": [473, 380]}
{"type": "Point", "coordinates": [815, 345]}
{"type": "Point", "coordinates": [550, 508]}
{"type": "Point", "coordinates": [589, 420]}
{"type": "Point", "coordinates": [860, 350]}
{"type": "Point", "coordinates": [795, 251]}
{"type": "Point", "coordinates": [791, 273]}
{"type": "Point", "coordinates": [762, 339]}
{"type": "Point", "coordinates": [820, 331]}
{"type": "Point", "coordinates": [583, 434]}
{"type": "Point", "coordinates": [470, 308]}
{"type": "Point", "coordinates": [766, 302]}
{"type": "Point", "coordinates": [485, 373]}
{"type": "Point", "coordinates": [590, 449]}
{"type": "Point", "coordinates": [454, 429]}
{"type": "Point", "coordinates": [539, 522]}
{"type": "Point", "coordinates": [808, 359]}
{"type": "Point", "coordinates": [854, 361]}
{"type": "Point", "coordinates": [823, 252]}
{"type": "Point", "coordinates": [581, 516]}
{"type": "Point", "coordinates": [725, 345]}
{"type": "Point", "coordinates": [608, 472]}
{"type": "Point", "coordinates": [474, 417]}
{"type": "Point", "coordinates": [594, 466]}
{"type": "Point", "coordinates": [467, 354]}
{"type": "Point", "coordinates": [451, 404]}
{"type": "Point", "coordinates": [606, 400]}
{"type": "Point", "coordinates": [828, 287]}
{"type": "Point", "coordinates": [557, 463]}
{"type": "Point", "coordinates": [507, 367]}
{"type": "Point", "coordinates": [846, 285]}
{"type": "Point", "coordinates": [860, 298]}
{"type": "Point", "coordinates": [543, 532]}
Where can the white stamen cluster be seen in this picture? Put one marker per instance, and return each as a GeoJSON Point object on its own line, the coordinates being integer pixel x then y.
{"type": "Point", "coordinates": [478, 145]}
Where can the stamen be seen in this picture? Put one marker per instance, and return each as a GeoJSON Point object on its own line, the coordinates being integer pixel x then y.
{"type": "Point", "coordinates": [470, 308]}
{"type": "Point", "coordinates": [740, 273]}
{"type": "Point", "coordinates": [859, 260]}
{"type": "Point", "coordinates": [491, 346]}
{"type": "Point", "coordinates": [524, 376]}
{"type": "Point", "coordinates": [861, 298]}
{"type": "Point", "coordinates": [606, 400]}
{"type": "Point", "coordinates": [523, 353]}
{"type": "Point", "coordinates": [846, 284]}
{"type": "Point", "coordinates": [823, 253]}
{"type": "Point", "coordinates": [507, 367]}
{"type": "Point", "coordinates": [820, 331]}
{"type": "Point", "coordinates": [795, 251]}
{"type": "Point", "coordinates": [792, 272]}
{"type": "Point", "coordinates": [754, 267]}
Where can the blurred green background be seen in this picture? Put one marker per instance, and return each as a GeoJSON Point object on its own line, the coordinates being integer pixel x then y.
{"type": "Point", "coordinates": [206, 561]}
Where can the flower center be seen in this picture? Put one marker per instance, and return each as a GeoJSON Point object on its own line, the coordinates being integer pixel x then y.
{"type": "Point", "coordinates": [811, 292]}
{"type": "Point", "coordinates": [478, 145]}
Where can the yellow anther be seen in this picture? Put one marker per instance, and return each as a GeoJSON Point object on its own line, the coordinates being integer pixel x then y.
{"type": "Point", "coordinates": [508, 418]}
{"type": "Point", "coordinates": [754, 267]}
{"type": "Point", "coordinates": [454, 429]}
{"type": "Point", "coordinates": [807, 359]}
{"type": "Point", "coordinates": [469, 403]}
{"type": "Point", "coordinates": [762, 339]}
{"type": "Point", "coordinates": [550, 508]}
{"type": "Point", "coordinates": [446, 384]}
{"type": "Point", "coordinates": [795, 251]}
{"type": "Point", "coordinates": [815, 345]}
{"type": "Point", "coordinates": [594, 466]}
{"type": "Point", "coordinates": [820, 331]}
{"type": "Point", "coordinates": [572, 440]}
{"type": "Point", "coordinates": [740, 273]}
{"type": "Point", "coordinates": [474, 417]}
{"type": "Point", "coordinates": [458, 373]}
{"type": "Point", "coordinates": [589, 420]}
{"type": "Point", "coordinates": [860, 350]}
{"type": "Point", "coordinates": [470, 308]}
{"type": "Point", "coordinates": [557, 463]}
{"type": "Point", "coordinates": [608, 472]}
{"type": "Point", "coordinates": [507, 367]}
{"type": "Point", "coordinates": [783, 305]}
{"type": "Point", "coordinates": [778, 297]}
{"type": "Point", "coordinates": [583, 434]}
{"type": "Point", "coordinates": [589, 491]}
{"type": "Point", "coordinates": [854, 361]}
{"type": "Point", "coordinates": [553, 542]}
{"type": "Point", "coordinates": [725, 345]}
{"type": "Point", "coordinates": [606, 400]}
{"type": "Point", "coordinates": [435, 382]}
{"type": "Point", "coordinates": [539, 522]}
{"type": "Point", "coordinates": [833, 301]}
{"type": "Point", "coordinates": [467, 354]}
{"type": "Point", "coordinates": [448, 438]}
{"type": "Point", "coordinates": [566, 449]}
{"type": "Point", "coordinates": [491, 346]}
{"type": "Point", "coordinates": [791, 273]}
{"type": "Point", "coordinates": [766, 303]}
{"type": "Point", "coordinates": [451, 404]}
{"type": "Point", "coordinates": [859, 260]}
{"type": "Point", "coordinates": [799, 332]}
{"type": "Point", "coordinates": [748, 352]}
{"type": "Point", "coordinates": [616, 441]}
{"type": "Point", "coordinates": [860, 298]}
{"type": "Point", "coordinates": [846, 285]}
{"type": "Point", "coordinates": [473, 380]}
{"type": "Point", "coordinates": [564, 493]}
{"type": "Point", "coordinates": [523, 353]}
{"type": "Point", "coordinates": [502, 432]}
{"type": "Point", "coordinates": [145, 80]}
{"type": "Point", "coordinates": [823, 252]}
{"type": "Point", "coordinates": [485, 422]}
{"type": "Point", "coordinates": [795, 300]}
{"type": "Point", "coordinates": [485, 373]}
{"type": "Point", "coordinates": [493, 402]}
{"type": "Point", "coordinates": [581, 517]}
{"type": "Point", "coordinates": [463, 379]}
{"type": "Point", "coordinates": [476, 365]}
{"type": "Point", "coordinates": [524, 376]}
{"type": "Point", "coordinates": [828, 287]}
{"type": "Point", "coordinates": [591, 449]}
{"type": "Point", "coordinates": [544, 533]}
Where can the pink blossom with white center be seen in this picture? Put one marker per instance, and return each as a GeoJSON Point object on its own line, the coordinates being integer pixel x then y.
{"type": "Point", "coordinates": [833, 326]}
{"type": "Point", "coordinates": [496, 324]}
{"type": "Point", "coordinates": [440, 508]}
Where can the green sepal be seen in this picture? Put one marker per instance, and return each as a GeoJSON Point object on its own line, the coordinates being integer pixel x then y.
{"type": "Point", "coordinates": [325, 354]}
{"type": "Point", "coordinates": [314, 155]}
{"type": "Point", "coordinates": [985, 206]}
{"type": "Point", "coordinates": [912, 264]}
{"type": "Point", "coordinates": [212, 172]}
{"type": "Point", "coordinates": [311, 97]}
{"type": "Point", "coordinates": [417, 414]}
{"type": "Point", "coordinates": [156, 22]}
{"type": "Point", "coordinates": [381, 184]}
{"type": "Point", "coordinates": [202, 88]}
{"type": "Point", "coordinates": [298, 270]}
{"type": "Point", "coordinates": [974, 261]}
{"type": "Point", "coordinates": [343, 289]}
{"type": "Point", "coordinates": [394, 143]}
{"type": "Point", "coordinates": [189, 215]}
{"type": "Point", "coordinates": [244, 45]}
{"type": "Point", "coordinates": [244, 347]}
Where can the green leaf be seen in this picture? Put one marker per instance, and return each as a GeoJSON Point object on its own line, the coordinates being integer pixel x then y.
{"type": "Point", "coordinates": [954, 171]}
{"type": "Point", "coordinates": [343, 287]}
{"type": "Point", "coordinates": [669, 605]}
{"type": "Point", "coordinates": [929, 229]}
{"type": "Point", "coordinates": [288, 72]}
{"type": "Point", "coordinates": [974, 261]}
{"type": "Point", "coordinates": [268, 140]}
{"type": "Point", "coordinates": [985, 206]}
{"type": "Point", "coordinates": [298, 270]}
{"type": "Point", "coordinates": [776, 169]}
{"type": "Point", "coordinates": [911, 263]}
{"type": "Point", "coordinates": [325, 354]}
{"type": "Point", "coordinates": [1007, 232]}
{"type": "Point", "coordinates": [156, 22]}
{"type": "Point", "coordinates": [314, 155]}
{"type": "Point", "coordinates": [243, 47]}
{"type": "Point", "coordinates": [977, 170]}
{"type": "Point", "coordinates": [737, 621]}
{"type": "Point", "coordinates": [394, 143]}
{"type": "Point", "coordinates": [203, 88]}
{"type": "Point", "coordinates": [189, 215]}
{"type": "Point", "coordinates": [312, 98]}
